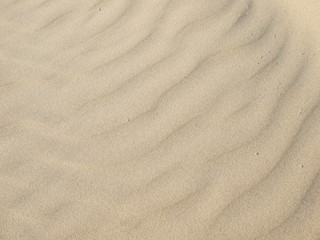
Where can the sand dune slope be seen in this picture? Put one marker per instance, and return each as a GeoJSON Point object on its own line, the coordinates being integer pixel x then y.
{"type": "Point", "coordinates": [162, 119]}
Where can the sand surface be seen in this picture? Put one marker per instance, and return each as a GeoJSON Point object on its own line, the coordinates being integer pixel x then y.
{"type": "Point", "coordinates": [159, 120]}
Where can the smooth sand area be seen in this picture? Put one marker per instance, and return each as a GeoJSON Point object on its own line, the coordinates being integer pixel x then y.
{"type": "Point", "coordinates": [159, 120]}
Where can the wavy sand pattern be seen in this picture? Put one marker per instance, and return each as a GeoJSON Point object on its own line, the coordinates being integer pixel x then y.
{"type": "Point", "coordinates": [162, 119]}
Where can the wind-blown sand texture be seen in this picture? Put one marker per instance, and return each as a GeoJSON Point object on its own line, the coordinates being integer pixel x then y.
{"type": "Point", "coordinates": [159, 119]}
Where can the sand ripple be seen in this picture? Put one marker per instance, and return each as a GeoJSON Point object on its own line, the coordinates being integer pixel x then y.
{"type": "Point", "coordinates": [163, 119]}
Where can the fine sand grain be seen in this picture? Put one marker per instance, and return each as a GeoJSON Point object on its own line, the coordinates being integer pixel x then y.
{"type": "Point", "coordinates": [159, 120]}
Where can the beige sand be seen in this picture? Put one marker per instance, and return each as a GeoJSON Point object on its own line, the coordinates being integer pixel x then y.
{"type": "Point", "coordinates": [159, 119]}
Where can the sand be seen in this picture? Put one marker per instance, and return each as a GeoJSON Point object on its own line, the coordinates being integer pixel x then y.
{"type": "Point", "coordinates": [159, 119]}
